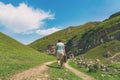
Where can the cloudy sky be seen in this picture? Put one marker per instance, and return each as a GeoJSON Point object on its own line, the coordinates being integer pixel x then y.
{"type": "Point", "coordinates": [28, 20]}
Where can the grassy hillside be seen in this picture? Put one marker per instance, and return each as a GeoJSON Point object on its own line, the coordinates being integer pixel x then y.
{"type": "Point", "coordinates": [103, 51]}
{"type": "Point", "coordinates": [97, 40]}
{"type": "Point", "coordinates": [65, 35]}
{"type": "Point", "coordinates": [15, 57]}
{"type": "Point", "coordinates": [80, 39]}
{"type": "Point", "coordinates": [110, 74]}
{"type": "Point", "coordinates": [116, 14]}
{"type": "Point", "coordinates": [105, 31]}
{"type": "Point", "coordinates": [87, 62]}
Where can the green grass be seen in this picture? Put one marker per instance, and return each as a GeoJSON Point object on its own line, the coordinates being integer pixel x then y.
{"type": "Point", "coordinates": [98, 53]}
{"type": "Point", "coordinates": [101, 50]}
{"type": "Point", "coordinates": [88, 34]}
{"type": "Point", "coordinates": [116, 14]}
{"type": "Point", "coordinates": [64, 74]}
{"type": "Point", "coordinates": [16, 57]}
{"type": "Point", "coordinates": [65, 35]}
{"type": "Point", "coordinates": [115, 32]}
{"type": "Point", "coordinates": [96, 75]}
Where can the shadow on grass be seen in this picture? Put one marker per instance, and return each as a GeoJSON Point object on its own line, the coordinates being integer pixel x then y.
{"type": "Point", "coordinates": [52, 66]}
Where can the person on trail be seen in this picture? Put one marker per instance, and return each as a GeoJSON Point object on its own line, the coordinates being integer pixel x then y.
{"type": "Point", "coordinates": [60, 50]}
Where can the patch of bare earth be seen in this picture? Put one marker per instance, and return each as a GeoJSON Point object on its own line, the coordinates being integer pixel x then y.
{"type": "Point", "coordinates": [78, 73]}
{"type": "Point", "coordinates": [117, 54]}
{"type": "Point", "coordinates": [37, 73]}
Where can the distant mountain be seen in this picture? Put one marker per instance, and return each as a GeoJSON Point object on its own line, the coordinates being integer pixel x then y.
{"type": "Point", "coordinates": [15, 57]}
{"type": "Point", "coordinates": [80, 39]}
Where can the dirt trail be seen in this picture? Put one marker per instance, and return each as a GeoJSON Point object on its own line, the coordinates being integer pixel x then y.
{"type": "Point", "coordinates": [78, 73]}
{"type": "Point", "coordinates": [117, 54]}
{"type": "Point", "coordinates": [36, 73]}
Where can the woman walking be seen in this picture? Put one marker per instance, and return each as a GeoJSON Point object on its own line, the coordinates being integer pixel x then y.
{"type": "Point", "coordinates": [60, 48]}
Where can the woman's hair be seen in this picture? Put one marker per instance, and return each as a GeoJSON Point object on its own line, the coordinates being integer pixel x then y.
{"type": "Point", "coordinates": [59, 40]}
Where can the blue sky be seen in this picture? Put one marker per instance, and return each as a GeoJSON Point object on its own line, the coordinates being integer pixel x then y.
{"type": "Point", "coordinates": [28, 20]}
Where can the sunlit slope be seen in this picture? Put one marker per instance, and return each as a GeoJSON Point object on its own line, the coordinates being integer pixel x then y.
{"type": "Point", "coordinates": [103, 51]}
{"type": "Point", "coordinates": [15, 56]}
{"type": "Point", "coordinates": [80, 39]}
{"type": "Point", "coordinates": [65, 35]}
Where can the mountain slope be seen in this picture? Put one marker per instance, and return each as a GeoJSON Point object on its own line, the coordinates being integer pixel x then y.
{"type": "Point", "coordinates": [66, 34]}
{"type": "Point", "coordinates": [80, 39]}
{"type": "Point", "coordinates": [15, 56]}
{"type": "Point", "coordinates": [104, 51]}
{"type": "Point", "coordinates": [107, 30]}
{"type": "Point", "coordinates": [115, 15]}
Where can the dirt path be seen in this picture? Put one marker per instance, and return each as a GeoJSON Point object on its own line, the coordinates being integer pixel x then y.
{"type": "Point", "coordinates": [78, 73]}
{"type": "Point", "coordinates": [36, 73]}
{"type": "Point", "coordinates": [117, 54]}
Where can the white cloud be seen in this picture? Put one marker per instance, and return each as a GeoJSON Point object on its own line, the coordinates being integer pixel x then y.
{"type": "Point", "coordinates": [47, 31]}
{"type": "Point", "coordinates": [22, 18]}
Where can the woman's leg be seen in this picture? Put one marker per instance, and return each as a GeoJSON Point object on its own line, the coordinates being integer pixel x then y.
{"type": "Point", "coordinates": [60, 59]}
{"type": "Point", "coordinates": [61, 62]}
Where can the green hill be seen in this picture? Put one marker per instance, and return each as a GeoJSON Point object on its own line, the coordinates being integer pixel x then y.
{"type": "Point", "coordinates": [80, 39]}
{"type": "Point", "coordinates": [15, 57]}
{"type": "Point", "coordinates": [115, 15]}
{"type": "Point", "coordinates": [66, 34]}
{"type": "Point", "coordinates": [105, 31]}
{"type": "Point", "coordinates": [96, 45]}
{"type": "Point", "coordinates": [104, 51]}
